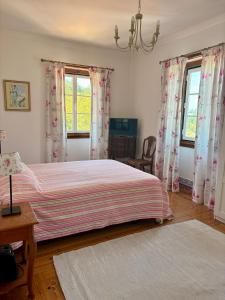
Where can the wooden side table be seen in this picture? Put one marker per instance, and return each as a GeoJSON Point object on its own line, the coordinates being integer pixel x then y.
{"type": "Point", "coordinates": [20, 228]}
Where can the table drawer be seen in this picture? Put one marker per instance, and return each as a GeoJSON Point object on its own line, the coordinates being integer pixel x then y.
{"type": "Point", "coordinates": [10, 236]}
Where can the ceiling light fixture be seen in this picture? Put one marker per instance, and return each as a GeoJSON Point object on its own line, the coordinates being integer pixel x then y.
{"type": "Point", "coordinates": [135, 38]}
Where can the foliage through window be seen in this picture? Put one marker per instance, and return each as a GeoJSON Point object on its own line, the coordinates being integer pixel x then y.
{"type": "Point", "coordinates": [78, 103]}
{"type": "Point", "coordinates": [190, 106]}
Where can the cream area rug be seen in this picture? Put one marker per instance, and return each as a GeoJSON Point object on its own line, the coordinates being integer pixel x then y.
{"type": "Point", "coordinates": [175, 262]}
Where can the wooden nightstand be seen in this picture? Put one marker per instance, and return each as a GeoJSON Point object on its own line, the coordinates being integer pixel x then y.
{"type": "Point", "coordinates": [20, 228]}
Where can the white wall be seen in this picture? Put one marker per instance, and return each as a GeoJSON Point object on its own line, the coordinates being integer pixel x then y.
{"type": "Point", "coordinates": [186, 163]}
{"type": "Point", "coordinates": [20, 55]}
{"type": "Point", "coordinates": [146, 82]}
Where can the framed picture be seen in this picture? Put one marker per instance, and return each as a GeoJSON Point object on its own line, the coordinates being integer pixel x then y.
{"type": "Point", "coordinates": [17, 95]}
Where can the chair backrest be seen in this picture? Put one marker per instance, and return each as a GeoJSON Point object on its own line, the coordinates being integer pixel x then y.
{"type": "Point", "coordinates": [149, 146]}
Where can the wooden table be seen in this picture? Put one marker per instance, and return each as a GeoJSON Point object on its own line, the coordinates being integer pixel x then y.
{"type": "Point", "coordinates": [20, 228]}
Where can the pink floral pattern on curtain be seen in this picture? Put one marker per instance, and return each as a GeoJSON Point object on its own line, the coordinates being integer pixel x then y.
{"type": "Point", "coordinates": [211, 108]}
{"type": "Point", "coordinates": [55, 113]}
{"type": "Point", "coordinates": [168, 137]}
{"type": "Point", "coordinates": [100, 80]}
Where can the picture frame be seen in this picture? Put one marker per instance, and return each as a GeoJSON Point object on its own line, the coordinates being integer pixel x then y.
{"type": "Point", "coordinates": [17, 95]}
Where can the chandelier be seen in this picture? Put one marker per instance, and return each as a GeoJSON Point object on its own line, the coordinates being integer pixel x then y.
{"type": "Point", "coordinates": [135, 39]}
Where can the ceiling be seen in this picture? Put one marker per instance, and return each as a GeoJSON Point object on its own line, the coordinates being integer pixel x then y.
{"type": "Point", "coordinates": [93, 21]}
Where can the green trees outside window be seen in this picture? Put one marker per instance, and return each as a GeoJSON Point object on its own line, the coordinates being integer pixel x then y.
{"type": "Point", "coordinates": [78, 103]}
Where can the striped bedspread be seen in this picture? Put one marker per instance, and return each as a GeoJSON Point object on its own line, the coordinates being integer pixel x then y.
{"type": "Point", "coordinates": [73, 197]}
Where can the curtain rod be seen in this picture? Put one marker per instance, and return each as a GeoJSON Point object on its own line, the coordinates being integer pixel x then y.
{"type": "Point", "coordinates": [74, 65]}
{"type": "Point", "coordinates": [192, 54]}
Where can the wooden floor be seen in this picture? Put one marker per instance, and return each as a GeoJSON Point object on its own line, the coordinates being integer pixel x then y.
{"type": "Point", "coordinates": [45, 280]}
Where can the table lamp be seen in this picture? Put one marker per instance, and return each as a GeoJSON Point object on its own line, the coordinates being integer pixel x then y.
{"type": "Point", "coordinates": [2, 137]}
{"type": "Point", "coordinates": [10, 163]}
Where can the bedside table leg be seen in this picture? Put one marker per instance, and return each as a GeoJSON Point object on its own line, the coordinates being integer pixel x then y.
{"type": "Point", "coordinates": [24, 252]}
{"type": "Point", "coordinates": [32, 247]}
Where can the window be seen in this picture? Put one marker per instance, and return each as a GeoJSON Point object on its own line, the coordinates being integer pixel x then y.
{"type": "Point", "coordinates": [190, 104]}
{"type": "Point", "coordinates": [78, 105]}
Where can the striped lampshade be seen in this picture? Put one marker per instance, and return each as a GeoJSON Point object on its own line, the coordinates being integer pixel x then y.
{"type": "Point", "coordinates": [2, 135]}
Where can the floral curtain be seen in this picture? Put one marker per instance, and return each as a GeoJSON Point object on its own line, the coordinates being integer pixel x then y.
{"type": "Point", "coordinates": [211, 108]}
{"type": "Point", "coordinates": [168, 138]}
{"type": "Point", "coordinates": [100, 79]}
{"type": "Point", "coordinates": [55, 113]}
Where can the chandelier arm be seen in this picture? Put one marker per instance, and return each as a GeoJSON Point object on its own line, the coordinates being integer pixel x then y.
{"type": "Point", "coordinates": [150, 44]}
{"type": "Point", "coordinates": [135, 33]}
{"type": "Point", "coordinates": [153, 41]}
{"type": "Point", "coordinates": [147, 47]}
{"type": "Point", "coordinates": [143, 44]}
{"type": "Point", "coordinates": [146, 50]}
{"type": "Point", "coordinates": [138, 34]}
{"type": "Point", "coordinates": [141, 39]}
{"type": "Point", "coordinates": [122, 48]}
{"type": "Point", "coordinates": [147, 44]}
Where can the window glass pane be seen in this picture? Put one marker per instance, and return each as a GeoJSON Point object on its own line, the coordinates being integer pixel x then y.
{"type": "Point", "coordinates": [68, 85]}
{"type": "Point", "coordinates": [192, 105]}
{"type": "Point", "coordinates": [78, 94]}
{"type": "Point", "coordinates": [83, 86]}
{"type": "Point", "coordinates": [190, 128]}
{"type": "Point", "coordinates": [83, 104]}
{"type": "Point", "coordinates": [69, 122]}
{"type": "Point", "coordinates": [83, 122]}
{"type": "Point", "coordinates": [69, 104]}
{"type": "Point", "coordinates": [194, 81]}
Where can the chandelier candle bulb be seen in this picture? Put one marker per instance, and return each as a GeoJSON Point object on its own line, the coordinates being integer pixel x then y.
{"type": "Point", "coordinates": [130, 41]}
{"type": "Point", "coordinates": [157, 27]}
{"type": "Point", "coordinates": [132, 24]}
{"type": "Point", "coordinates": [116, 30]}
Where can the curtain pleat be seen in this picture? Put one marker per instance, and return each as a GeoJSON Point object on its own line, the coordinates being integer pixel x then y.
{"type": "Point", "coordinates": [100, 80]}
{"type": "Point", "coordinates": [211, 107]}
{"type": "Point", "coordinates": [168, 137]}
{"type": "Point", "coordinates": [55, 113]}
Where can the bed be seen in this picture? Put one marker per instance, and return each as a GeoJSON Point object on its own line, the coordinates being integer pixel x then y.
{"type": "Point", "coordinates": [73, 197]}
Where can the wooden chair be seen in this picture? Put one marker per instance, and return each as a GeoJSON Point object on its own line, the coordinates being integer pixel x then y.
{"type": "Point", "coordinates": [149, 146]}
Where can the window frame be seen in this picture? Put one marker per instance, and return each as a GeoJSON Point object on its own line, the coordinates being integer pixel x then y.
{"type": "Point", "coordinates": [83, 73]}
{"type": "Point", "coordinates": [192, 64]}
